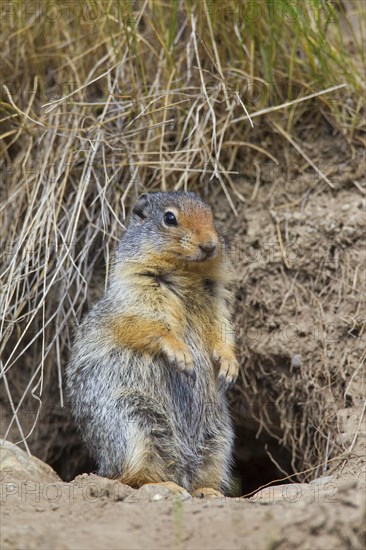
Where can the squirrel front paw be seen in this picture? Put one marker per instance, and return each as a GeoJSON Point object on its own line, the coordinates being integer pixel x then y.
{"type": "Point", "coordinates": [229, 369]}
{"type": "Point", "coordinates": [180, 357]}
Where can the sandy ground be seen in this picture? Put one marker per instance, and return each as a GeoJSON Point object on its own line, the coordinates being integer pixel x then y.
{"type": "Point", "coordinates": [93, 512]}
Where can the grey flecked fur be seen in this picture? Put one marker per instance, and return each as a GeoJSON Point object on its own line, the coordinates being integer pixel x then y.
{"type": "Point", "coordinates": [132, 408]}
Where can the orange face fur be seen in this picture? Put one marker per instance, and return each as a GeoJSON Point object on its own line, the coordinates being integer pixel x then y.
{"type": "Point", "coordinates": [194, 239]}
{"type": "Point", "coordinates": [172, 232]}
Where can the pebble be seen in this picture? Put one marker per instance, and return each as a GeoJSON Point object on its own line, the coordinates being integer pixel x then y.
{"type": "Point", "coordinates": [322, 480]}
{"type": "Point", "coordinates": [296, 361]}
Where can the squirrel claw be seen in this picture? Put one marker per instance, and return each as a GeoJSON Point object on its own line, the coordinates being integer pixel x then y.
{"type": "Point", "coordinates": [231, 384]}
{"type": "Point", "coordinates": [225, 382]}
{"type": "Point", "coordinates": [181, 359]}
{"type": "Point", "coordinates": [221, 383]}
{"type": "Point", "coordinates": [228, 373]}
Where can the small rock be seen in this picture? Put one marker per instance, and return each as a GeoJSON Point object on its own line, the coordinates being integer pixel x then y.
{"type": "Point", "coordinates": [296, 361]}
{"type": "Point", "coordinates": [17, 464]}
{"type": "Point", "coordinates": [322, 480]}
{"type": "Point", "coordinates": [164, 490]}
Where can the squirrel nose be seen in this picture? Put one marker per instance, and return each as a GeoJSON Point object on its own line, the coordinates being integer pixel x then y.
{"type": "Point", "coordinates": [208, 248]}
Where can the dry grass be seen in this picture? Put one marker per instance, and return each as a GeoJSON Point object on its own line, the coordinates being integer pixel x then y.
{"type": "Point", "coordinates": [101, 100]}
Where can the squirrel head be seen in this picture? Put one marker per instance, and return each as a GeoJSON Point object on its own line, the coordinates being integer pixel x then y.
{"type": "Point", "coordinates": [170, 228]}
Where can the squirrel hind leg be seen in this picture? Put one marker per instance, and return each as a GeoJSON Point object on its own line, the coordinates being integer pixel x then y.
{"type": "Point", "coordinates": [151, 451]}
{"type": "Point", "coordinates": [215, 472]}
{"type": "Point", "coordinates": [142, 465]}
{"type": "Point", "coordinates": [214, 475]}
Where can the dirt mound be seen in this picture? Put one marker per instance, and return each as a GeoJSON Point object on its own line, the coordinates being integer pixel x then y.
{"type": "Point", "coordinates": [95, 512]}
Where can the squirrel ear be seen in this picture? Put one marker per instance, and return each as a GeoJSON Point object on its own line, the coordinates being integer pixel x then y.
{"type": "Point", "coordinates": [139, 209]}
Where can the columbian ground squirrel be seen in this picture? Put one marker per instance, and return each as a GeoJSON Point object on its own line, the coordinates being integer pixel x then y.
{"type": "Point", "coordinates": [152, 360]}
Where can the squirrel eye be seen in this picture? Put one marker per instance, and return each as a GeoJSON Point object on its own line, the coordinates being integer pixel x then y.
{"type": "Point", "coordinates": [170, 219]}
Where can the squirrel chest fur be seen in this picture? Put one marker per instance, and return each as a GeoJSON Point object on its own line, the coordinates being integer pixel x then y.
{"type": "Point", "coordinates": [152, 360]}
